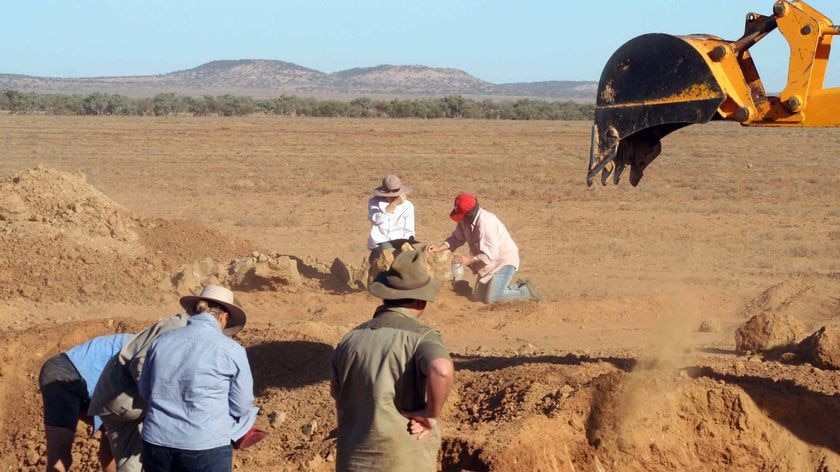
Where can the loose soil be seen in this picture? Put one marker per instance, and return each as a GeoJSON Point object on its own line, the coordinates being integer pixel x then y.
{"type": "Point", "coordinates": [609, 372]}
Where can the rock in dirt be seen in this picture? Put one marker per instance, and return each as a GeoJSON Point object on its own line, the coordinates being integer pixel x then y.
{"type": "Point", "coordinates": [259, 272]}
{"type": "Point", "coordinates": [438, 264]}
{"type": "Point", "coordinates": [310, 428]}
{"type": "Point", "coordinates": [822, 348]}
{"type": "Point", "coordinates": [255, 272]}
{"type": "Point", "coordinates": [768, 331]}
{"type": "Point", "coordinates": [347, 274]}
{"type": "Point", "coordinates": [383, 261]}
{"type": "Point", "coordinates": [190, 278]}
{"type": "Point", "coordinates": [276, 418]}
{"type": "Point", "coordinates": [710, 325]}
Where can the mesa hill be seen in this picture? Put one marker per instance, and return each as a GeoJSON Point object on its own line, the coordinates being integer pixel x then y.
{"type": "Point", "coordinates": [271, 78]}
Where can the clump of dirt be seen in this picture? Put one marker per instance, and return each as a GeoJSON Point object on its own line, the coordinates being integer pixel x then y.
{"type": "Point", "coordinates": [822, 348]}
{"type": "Point", "coordinates": [768, 331]}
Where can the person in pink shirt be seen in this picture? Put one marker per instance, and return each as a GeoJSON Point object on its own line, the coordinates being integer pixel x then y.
{"type": "Point", "coordinates": [493, 254]}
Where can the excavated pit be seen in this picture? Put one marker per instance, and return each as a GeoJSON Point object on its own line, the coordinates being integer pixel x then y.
{"type": "Point", "coordinates": [509, 411]}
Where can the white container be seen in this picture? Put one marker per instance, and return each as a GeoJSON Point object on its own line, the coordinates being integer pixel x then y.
{"type": "Point", "coordinates": [457, 271]}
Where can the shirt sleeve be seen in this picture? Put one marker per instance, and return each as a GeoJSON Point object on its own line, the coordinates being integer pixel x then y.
{"type": "Point", "coordinates": [429, 349]}
{"type": "Point", "coordinates": [144, 386]}
{"type": "Point", "coordinates": [457, 238]}
{"type": "Point", "coordinates": [241, 396]}
{"type": "Point", "coordinates": [375, 214]}
{"type": "Point", "coordinates": [134, 353]}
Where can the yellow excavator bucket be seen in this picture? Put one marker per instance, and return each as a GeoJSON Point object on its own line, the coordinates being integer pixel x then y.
{"type": "Point", "coordinates": [657, 83]}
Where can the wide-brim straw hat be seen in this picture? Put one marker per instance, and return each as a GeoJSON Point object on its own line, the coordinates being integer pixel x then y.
{"type": "Point", "coordinates": [391, 187]}
{"type": "Point", "coordinates": [224, 297]}
{"type": "Point", "coordinates": [406, 279]}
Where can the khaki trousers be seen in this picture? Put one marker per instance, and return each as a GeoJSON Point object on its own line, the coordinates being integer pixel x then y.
{"type": "Point", "coordinates": [126, 445]}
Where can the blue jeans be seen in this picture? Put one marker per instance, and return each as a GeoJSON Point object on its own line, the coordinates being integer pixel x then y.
{"type": "Point", "coordinates": [498, 288]}
{"type": "Point", "coordinates": [167, 459]}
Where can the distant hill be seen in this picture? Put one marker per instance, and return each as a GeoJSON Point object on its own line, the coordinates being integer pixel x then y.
{"type": "Point", "coordinates": [270, 78]}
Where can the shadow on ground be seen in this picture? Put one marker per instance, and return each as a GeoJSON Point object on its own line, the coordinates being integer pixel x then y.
{"type": "Point", "coordinates": [289, 364]}
{"type": "Point", "coordinates": [491, 363]}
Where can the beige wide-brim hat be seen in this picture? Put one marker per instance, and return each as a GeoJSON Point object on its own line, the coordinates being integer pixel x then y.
{"type": "Point", "coordinates": [224, 297]}
{"type": "Point", "coordinates": [407, 278]}
{"type": "Point", "coordinates": [391, 187]}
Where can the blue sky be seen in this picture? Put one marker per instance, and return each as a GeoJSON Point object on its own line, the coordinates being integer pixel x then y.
{"type": "Point", "coordinates": [498, 41]}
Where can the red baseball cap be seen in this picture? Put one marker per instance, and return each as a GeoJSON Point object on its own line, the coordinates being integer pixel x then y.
{"type": "Point", "coordinates": [464, 202]}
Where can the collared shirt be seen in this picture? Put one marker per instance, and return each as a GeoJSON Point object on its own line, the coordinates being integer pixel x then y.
{"type": "Point", "coordinates": [116, 397]}
{"type": "Point", "coordinates": [198, 386]}
{"type": "Point", "coordinates": [389, 226]}
{"type": "Point", "coordinates": [89, 359]}
{"type": "Point", "coordinates": [489, 241]}
{"type": "Point", "coordinates": [379, 369]}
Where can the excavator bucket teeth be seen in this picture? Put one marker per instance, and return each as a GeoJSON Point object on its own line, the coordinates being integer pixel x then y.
{"type": "Point", "coordinates": [651, 86]}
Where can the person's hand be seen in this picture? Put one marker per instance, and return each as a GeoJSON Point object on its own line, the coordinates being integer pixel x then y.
{"type": "Point", "coordinates": [440, 247]}
{"type": "Point", "coordinates": [419, 425]}
{"type": "Point", "coordinates": [402, 198]}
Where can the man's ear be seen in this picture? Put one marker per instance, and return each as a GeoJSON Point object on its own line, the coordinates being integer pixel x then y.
{"type": "Point", "coordinates": [223, 319]}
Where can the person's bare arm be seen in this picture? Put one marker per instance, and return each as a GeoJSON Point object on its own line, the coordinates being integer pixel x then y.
{"type": "Point", "coordinates": [395, 203]}
{"type": "Point", "coordinates": [438, 385]}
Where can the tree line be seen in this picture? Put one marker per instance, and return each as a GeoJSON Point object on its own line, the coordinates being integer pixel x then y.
{"type": "Point", "coordinates": [167, 104]}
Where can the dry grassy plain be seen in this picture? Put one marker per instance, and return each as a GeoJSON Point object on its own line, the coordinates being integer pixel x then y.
{"type": "Point", "coordinates": [724, 214]}
{"type": "Point", "coordinates": [725, 206]}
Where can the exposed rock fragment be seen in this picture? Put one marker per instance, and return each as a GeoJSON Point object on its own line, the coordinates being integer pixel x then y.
{"type": "Point", "coordinates": [768, 331]}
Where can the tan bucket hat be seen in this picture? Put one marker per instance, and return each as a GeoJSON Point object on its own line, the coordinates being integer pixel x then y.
{"type": "Point", "coordinates": [223, 296]}
{"type": "Point", "coordinates": [391, 187]}
{"type": "Point", "coordinates": [407, 278]}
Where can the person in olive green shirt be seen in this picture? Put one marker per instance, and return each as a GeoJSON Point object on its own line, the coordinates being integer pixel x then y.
{"type": "Point", "coordinates": [391, 376]}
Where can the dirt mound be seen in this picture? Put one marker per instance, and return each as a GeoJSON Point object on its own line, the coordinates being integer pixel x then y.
{"type": "Point", "coordinates": [55, 201]}
{"type": "Point", "coordinates": [822, 348]}
{"type": "Point", "coordinates": [768, 331]}
{"type": "Point", "coordinates": [564, 414]}
{"type": "Point", "coordinates": [62, 240]}
{"type": "Point", "coordinates": [712, 425]}
{"type": "Point", "coordinates": [807, 297]}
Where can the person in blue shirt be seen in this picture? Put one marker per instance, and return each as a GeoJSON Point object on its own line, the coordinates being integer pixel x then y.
{"type": "Point", "coordinates": [199, 389]}
{"type": "Point", "coordinates": [67, 381]}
